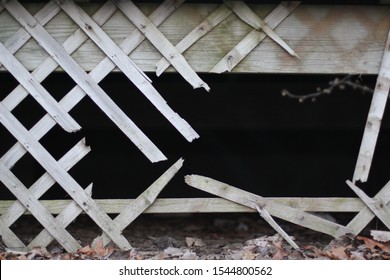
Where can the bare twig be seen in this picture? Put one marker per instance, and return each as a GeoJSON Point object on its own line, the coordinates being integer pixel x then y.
{"type": "Point", "coordinates": [347, 81]}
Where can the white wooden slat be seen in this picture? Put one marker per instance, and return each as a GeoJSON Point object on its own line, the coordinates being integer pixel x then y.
{"type": "Point", "coordinates": [91, 88]}
{"type": "Point", "coordinates": [377, 206]}
{"type": "Point", "coordinates": [275, 209]}
{"type": "Point", "coordinates": [40, 73]}
{"type": "Point", "coordinates": [9, 238]}
{"type": "Point", "coordinates": [144, 200]}
{"type": "Point", "coordinates": [374, 119]}
{"type": "Point", "coordinates": [21, 36]}
{"type": "Point", "coordinates": [62, 177]}
{"type": "Point", "coordinates": [248, 16]}
{"type": "Point", "coordinates": [124, 63]}
{"type": "Point", "coordinates": [37, 91]}
{"type": "Point", "coordinates": [38, 210]}
{"type": "Point", "coordinates": [70, 45]}
{"type": "Point", "coordinates": [70, 213]}
{"type": "Point", "coordinates": [249, 42]}
{"type": "Point", "coordinates": [212, 20]}
{"type": "Point", "coordinates": [44, 183]}
{"type": "Point", "coordinates": [76, 94]}
{"type": "Point", "coordinates": [164, 46]}
{"type": "Point", "coordinates": [365, 215]}
{"type": "Point", "coordinates": [267, 217]}
{"type": "Point", "coordinates": [210, 205]}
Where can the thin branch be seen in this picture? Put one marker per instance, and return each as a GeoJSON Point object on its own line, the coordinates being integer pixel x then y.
{"type": "Point", "coordinates": [337, 83]}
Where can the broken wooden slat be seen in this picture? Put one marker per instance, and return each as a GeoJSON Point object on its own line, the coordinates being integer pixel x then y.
{"type": "Point", "coordinates": [210, 205]}
{"type": "Point", "coordinates": [249, 17]}
{"type": "Point", "coordinates": [37, 91]}
{"type": "Point", "coordinates": [70, 45]}
{"type": "Point", "coordinates": [365, 215]}
{"type": "Point", "coordinates": [44, 183]}
{"type": "Point", "coordinates": [62, 177]}
{"type": "Point", "coordinates": [267, 217]}
{"type": "Point", "coordinates": [120, 58]}
{"type": "Point", "coordinates": [40, 73]}
{"type": "Point", "coordinates": [374, 119]}
{"type": "Point", "coordinates": [246, 45]}
{"type": "Point", "coordinates": [144, 200]}
{"type": "Point", "coordinates": [9, 237]}
{"type": "Point", "coordinates": [91, 88]}
{"type": "Point", "coordinates": [163, 45]}
{"type": "Point", "coordinates": [377, 205]}
{"type": "Point", "coordinates": [70, 213]}
{"type": "Point", "coordinates": [38, 210]}
{"type": "Point", "coordinates": [275, 209]}
{"type": "Point", "coordinates": [215, 18]}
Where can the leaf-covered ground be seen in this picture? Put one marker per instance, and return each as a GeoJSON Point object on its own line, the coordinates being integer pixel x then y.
{"type": "Point", "coordinates": [201, 236]}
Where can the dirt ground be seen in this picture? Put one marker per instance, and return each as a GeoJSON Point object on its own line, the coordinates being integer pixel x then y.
{"type": "Point", "coordinates": [202, 236]}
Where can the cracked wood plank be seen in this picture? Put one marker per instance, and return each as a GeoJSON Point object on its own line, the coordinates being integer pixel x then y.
{"type": "Point", "coordinates": [275, 209]}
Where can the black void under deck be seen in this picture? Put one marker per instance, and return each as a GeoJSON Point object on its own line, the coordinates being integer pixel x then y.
{"type": "Point", "coordinates": [250, 136]}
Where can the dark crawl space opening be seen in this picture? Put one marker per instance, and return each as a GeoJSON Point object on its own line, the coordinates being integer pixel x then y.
{"type": "Point", "coordinates": [251, 136]}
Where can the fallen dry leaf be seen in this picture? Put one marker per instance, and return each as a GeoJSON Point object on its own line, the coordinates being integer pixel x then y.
{"type": "Point", "coordinates": [280, 252]}
{"type": "Point", "coordinates": [100, 250]}
{"type": "Point", "coordinates": [373, 245]}
{"type": "Point", "coordinates": [86, 250]}
{"type": "Point", "coordinates": [337, 253]}
{"type": "Point", "coordinates": [248, 255]}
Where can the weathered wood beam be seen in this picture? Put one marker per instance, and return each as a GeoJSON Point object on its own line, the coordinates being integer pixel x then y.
{"type": "Point", "coordinates": [208, 205]}
{"type": "Point", "coordinates": [328, 39]}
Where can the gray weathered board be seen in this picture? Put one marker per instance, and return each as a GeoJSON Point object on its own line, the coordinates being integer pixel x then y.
{"type": "Point", "coordinates": [328, 39]}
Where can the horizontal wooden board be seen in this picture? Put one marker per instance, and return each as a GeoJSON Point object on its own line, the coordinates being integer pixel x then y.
{"type": "Point", "coordinates": [208, 205]}
{"type": "Point", "coordinates": [328, 39]}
